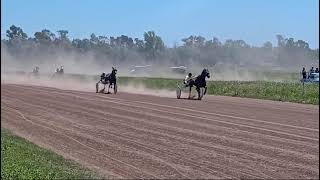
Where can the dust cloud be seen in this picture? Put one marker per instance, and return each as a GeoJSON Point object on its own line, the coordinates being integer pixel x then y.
{"type": "Point", "coordinates": [17, 70]}
{"type": "Point", "coordinates": [86, 85]}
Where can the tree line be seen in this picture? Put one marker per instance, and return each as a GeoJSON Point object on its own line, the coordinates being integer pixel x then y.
{"type": "Point", "coordinates": [151, 49]}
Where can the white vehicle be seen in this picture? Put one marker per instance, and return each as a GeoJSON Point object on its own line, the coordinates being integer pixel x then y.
{"type": "Point", "coordinates": [179, 69]}
{"type": "Point", "coordinates": [141, 69]}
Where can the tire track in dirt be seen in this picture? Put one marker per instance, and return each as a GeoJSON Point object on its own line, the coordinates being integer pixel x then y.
{"type": "Point", "coordinates": [225, 121]}
{"type": "Point", "coordinates": [96, 97]}
{"type": "Point", "coordinates": [194, 125]}
{"type": "Point", "coordinates": [61, 133]}
{"type": "Point", "coordinates": [35, 117]}
{"type": "Point", "coordinates": [164, 136]}
{"type": "Point", "coordinates": [188, 129]}
{"type": "Point", "coordinates": [219, 170]}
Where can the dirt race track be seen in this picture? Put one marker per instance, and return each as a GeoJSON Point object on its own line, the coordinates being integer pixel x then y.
{"type": "Point", "coordinates": [141, 136]}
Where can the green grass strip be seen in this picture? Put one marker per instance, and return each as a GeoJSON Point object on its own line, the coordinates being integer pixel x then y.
{"type": "Point", "coordinates": [289, 91]}
{"type": "Point", "coordinates": [277, 91]}
{"type": "Point", "coordinates": [21, 159]}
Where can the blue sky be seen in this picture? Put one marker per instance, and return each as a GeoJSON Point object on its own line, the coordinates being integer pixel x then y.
{"type": "Point", "coordinates": [255, 21]}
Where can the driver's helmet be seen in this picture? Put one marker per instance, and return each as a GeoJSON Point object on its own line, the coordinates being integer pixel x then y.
{"type": "Point", "coordinates": [190, 74]}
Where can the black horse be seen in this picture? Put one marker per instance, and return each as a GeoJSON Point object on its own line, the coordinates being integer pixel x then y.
{"type": "Point", "coordinates": [110, 79]}
{"type": "Point", "coordinates": [200, 82]}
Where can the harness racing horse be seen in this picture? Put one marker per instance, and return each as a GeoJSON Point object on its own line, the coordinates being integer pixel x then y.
{"type": "Point", "coordinates": [200, 82]}
{"type": "Point", "coordinates": [110, 79]}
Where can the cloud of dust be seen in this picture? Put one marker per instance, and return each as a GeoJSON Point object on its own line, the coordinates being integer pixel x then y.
{"type": "Point", "coordinates": [90, 63]}
{"type": "Point", "coordinates": [86, 85]}
{"type": "Point", "coordinates": [18, 71]}
{"type": "Point", "coordinates": [141, 89]}
{"type": "Point", "coordinates": [48, 81]}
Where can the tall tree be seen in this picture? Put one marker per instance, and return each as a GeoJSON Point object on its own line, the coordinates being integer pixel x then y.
{"type": "Point", "coordinates": [44, 37]}
{"type": "Point", "coordinates": [281, 41]}
{"type": "Point", "coordinates": [15, 32]}
{"type": "Point", "coordinates": [267, 45]}
{"type": "Point", "coordinates": [63, 35]}
{"type": "Point", "coordinates": [153, 43]}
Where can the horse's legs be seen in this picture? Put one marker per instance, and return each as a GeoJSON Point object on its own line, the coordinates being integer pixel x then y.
{"type": "Point", "coordinates": [198, 90]}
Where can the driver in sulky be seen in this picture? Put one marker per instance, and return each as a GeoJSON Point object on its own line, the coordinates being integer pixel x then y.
{"type": "Point", "coordinates": [188, 81]}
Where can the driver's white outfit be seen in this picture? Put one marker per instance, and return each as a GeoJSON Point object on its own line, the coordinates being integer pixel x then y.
{"type": "Point", "coordinates": [187, 80]}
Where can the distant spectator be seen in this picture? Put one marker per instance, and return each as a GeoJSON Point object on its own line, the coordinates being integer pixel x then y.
{"type": "Point", "coordinates": [311, 71]}
{"type": "Point", "coordinates": [317, 70]}
{"type": "Point", "coordinates": [304, 73]}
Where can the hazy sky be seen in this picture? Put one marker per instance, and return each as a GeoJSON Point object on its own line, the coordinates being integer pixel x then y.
{"type": "Point", "coordinates": [255, 21]}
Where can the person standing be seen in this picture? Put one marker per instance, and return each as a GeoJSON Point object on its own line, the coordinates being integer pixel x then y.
{"type": "Point", "coordinates": [304, 73]}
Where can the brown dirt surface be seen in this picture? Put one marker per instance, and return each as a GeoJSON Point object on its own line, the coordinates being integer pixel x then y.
{"type": "Point", "coordinates": [142, 136]}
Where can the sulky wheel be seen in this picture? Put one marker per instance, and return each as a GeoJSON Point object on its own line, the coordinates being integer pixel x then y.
{"type": "Point", "coordinates": [178, 92]}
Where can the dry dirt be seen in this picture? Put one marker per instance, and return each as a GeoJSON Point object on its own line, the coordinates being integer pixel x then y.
{"type": "Point", "coordinates": [142, 136]}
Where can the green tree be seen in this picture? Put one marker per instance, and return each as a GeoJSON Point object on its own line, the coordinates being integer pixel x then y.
{"type": "Point", "coordinates": [302, 44]}
{"type": "Point", "coordinates": [63, 40]}
{"type": "Point", "coordinates": [63, 35]}
{"type": "Point", "coordinates": [94, 39]}
{"type": "Point", "coordinates": [15, 32]}
{"type": "Point", "coordinates": [44, 37]}
{"type": "Point", "coordinates": [281, 41]}
{"type": "Point", "coordinates": [267, 45]}
{"type": "Point", "coordinates": [194, 41]}
{"type": "Point", "coordinates": [153, 44]}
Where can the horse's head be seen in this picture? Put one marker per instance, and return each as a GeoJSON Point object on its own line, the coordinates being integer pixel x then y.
{"type": "Point", "coordinates": [114, 71]}
{"type": "Point", "coordinates": [205, 73]}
